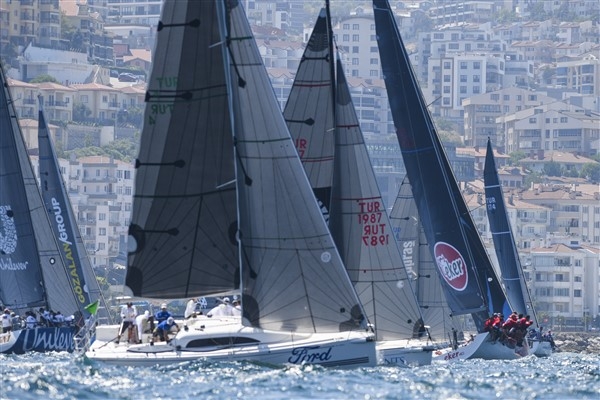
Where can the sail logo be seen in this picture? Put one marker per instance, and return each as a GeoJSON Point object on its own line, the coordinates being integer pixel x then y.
{"type": "Point", "coordinates": [8, 231]}
{"type": "Point", "coordinates": [68, 251]}
{"type": "Point", "coordinates": [452, 265]}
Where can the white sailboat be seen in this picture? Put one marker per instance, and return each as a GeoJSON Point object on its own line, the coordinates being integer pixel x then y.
{"type": "Point", "coordinates": [33, 273]}
{"type": "Point", "coordinates": [222, 203]}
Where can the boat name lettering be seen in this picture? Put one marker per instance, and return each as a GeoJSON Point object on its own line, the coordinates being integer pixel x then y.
{"type": "Point", "coordinates": [309, 355]}
{"type": "Point", "coordinates": [370, 215]}
{"type": "Point", "coordinates": [60, 222]}
{"type": "Point", "coordinates": [394, 361]}
{"type": "Point", "coordinates": [452, 265]}
{"type": "Point", "coordinates": [48, 339]}
{"type": "Point", "coordinates": [68, 251]}
{"type": "Point", "coordinates": [10, 265]}
{"type": "Point", "coordinates": [491, 203]}
{"type": "Point", "coordinates": [166, 82]}
{"type": "Point", "coordinates": [453, 355]}
{"type": "Point", "coordinates": [301, 146]}
{"type": "Point", "coordinates": [408, 259]}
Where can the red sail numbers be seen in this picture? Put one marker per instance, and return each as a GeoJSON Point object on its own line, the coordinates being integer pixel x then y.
{"type": "Point", "coordinates": [374, 231]}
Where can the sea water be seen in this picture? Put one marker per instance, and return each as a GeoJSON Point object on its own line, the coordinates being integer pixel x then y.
{"type": "Point", "coordinates": [562, 376]}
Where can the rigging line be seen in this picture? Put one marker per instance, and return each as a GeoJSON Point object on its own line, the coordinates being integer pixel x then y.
{"type": "Point", "coordinates": [241, 81]}
{"type": "Point", "coordinates": [193, 23]}
{"type": "Point", "coordinates": [187, 95]}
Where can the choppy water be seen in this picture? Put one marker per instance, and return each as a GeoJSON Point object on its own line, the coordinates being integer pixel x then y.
{"type": "Point", "coordinates": [63, 376]}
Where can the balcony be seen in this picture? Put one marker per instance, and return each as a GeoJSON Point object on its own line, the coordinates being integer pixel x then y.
{"type": "Point", "coordinates": [56, 103]}
{"type": "Point", "coordinates": [29, 101]}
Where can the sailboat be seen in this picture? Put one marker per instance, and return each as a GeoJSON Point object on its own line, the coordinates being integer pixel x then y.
{"type": "Point", "coordinates": [323, 123]}
{"type": "Point", "coordinates": [465, 271]}
{"type": "Point", "coordinates": [32, 272]}
{"type": "Point", "coordinates": [222, 203]}
{"type": "Point", "coordinates": [506, 250]}
{"type": "Point", "coordinates": [421, 268]}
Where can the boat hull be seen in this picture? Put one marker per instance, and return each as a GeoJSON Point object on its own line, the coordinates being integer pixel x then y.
{"type": "Point", "coordinates": [39, 339]}
{"type": "Point", "coordinates": [403, 353]}
{"type": "Point", "coordinates": [229, 340]}
{"type": "Point", "coordinates": [481, 347]}
{"type": "Point", "coordinates": [540, 348]}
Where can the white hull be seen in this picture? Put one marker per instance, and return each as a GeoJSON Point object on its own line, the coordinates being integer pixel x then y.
{"type": "Point", "coordinates": [540, 348]}
{"type": "Point", "coordinates": [228, 340]}
{"type": "Point", "coordinates": [481, 347]}
{"type": "Point", "coordinates": [403, 353]}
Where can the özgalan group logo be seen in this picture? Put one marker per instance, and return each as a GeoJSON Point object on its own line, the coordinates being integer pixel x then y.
{"type": "Point", "coordinates": [451, 265]}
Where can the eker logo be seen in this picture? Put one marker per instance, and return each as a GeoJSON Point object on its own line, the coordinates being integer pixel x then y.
{"type": "Point", "coordinates": [451, 265]}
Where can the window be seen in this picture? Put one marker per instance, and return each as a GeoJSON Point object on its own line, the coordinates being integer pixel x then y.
{"type": "Point", "coordinates": [463, 65]}
{"type": "Point", "coordinates": [128, 190]}
{"type": "Point", "coordinates": [495, 96]}
{"type": "Point", "coordinates": [101, 246]}
{"type": "Point", "coordinates": [345, 37]}
{"type": "Point", "coordinates": [355, 38]}
{"type": "Point", "coordinates": [532, 120]}
{"type": "Point", "coordinates": [102, 232]}
{"type": "Point", "coordinates": [374, 61]}
{"type": "Point", "coordinates": [446, 78]}
{"type": "Point", "coordinates": [463, 78]}
{"type": "Point", "coordinates": [563, 120]}
{"type": "Point", "coordinates": [127, 174]}
{"type": "Point", "coordinates": [446, 89]}
{"type": "Point", "coordinates": [374, 49]}
{"type": "Point", "coordinates": [346, 26]}
{"type": "Point", "coordinates": [373, 72]}
{"type": "Point", "coordinates": [447, 64]}
{"type": "Point", "coordinates": [577, 293]}
{"type": "Point", "coordinates": [355, 61]}
{"type": "Point", "coordinates": [476, 90]}
{"type": "Point", "coordinates": [477, 65]}
{"type": "Point", "coordinates": [559, 278]}
{"type": "Point", "coordinates": [463, 89]}
{"type": "Point", "coordinates": [355, 27]}
{"type": "Point", "coordinates": [105, 99]}
{"type": "Point", "coordinates": [102, 216]}
{"type": "Point", "coordinates": [84, 98]}
{"type": "Point", "coordinates": [355, 49]}
{"type": "Point", "coordinates": [476, 78]}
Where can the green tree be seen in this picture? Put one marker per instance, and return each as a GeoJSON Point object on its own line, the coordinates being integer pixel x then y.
{"type": "Point", "coordinates": [516, 157]}
{"type": "Point", "coordinates": [591, 171]}
{"type": "Point", "coordinates": [44, 78]}
{"type": "Point", "coordinates": [537, 12]}
{"type": "Point", "coordinates": [532, 177]}
{"type": "Point", "coordinates": [80, 111]}
{"type": "Point", "coordinates": [552, 168]}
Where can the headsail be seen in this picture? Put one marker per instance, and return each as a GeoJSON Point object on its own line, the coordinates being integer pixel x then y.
{"type": "Point", "coordinates": [184, 221]}
{"type": "Point", "coordinates": [419, 264]}
{"type": "Point", "coordinates": [309, 111]}
{"type": "Point", "coordinates": [504, 242]}
{"type": "Point", "coordinates": [32, 272]}
{"type": "Point", "coordinates": [57, 203]}
{"type": "Point", "coordinates": [469, 281]}
{"type": "Point", "coordinates": [361, 228]}
{"type": "Point", "coordinates": [294, 278]}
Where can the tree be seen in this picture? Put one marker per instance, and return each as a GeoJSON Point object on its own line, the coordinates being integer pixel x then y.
{"type": "Point", "coordinates": [552, 168]}
{"type": "Point", "coordinates": [532, 177]}
{"type": "Point", "coordinates": [591, 171]}
{"type": "Point", "coordinates": [80, 111]}
{"type": "Point", "coordinates": [516, 156]}
{"type": "Point", "coordinates": [44, 78]}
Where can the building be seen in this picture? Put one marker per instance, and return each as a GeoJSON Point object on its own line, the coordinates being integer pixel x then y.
{"type": "Point", "coordinates": [581, 76]}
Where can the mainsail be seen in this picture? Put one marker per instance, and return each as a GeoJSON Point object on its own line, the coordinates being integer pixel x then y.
{"type": "Point", "coordinates": [32, 272]}
{"type": "Point", "coordinates": [184, 220]}
{"type": "Point", "coordinates": [419, 264]}
{"type": "Point", "coordinates": [468, 278]}
{"type": "Point", "coordinates": [215, 133]}
{"type": "Point", "coordinates": [504, 242]}
{"type": "Point", "coordinates": [361, 228]}
{"type": "Point", "coordinates": [81, 274]}
{"type": "Point", "coordinates": [309, 110]}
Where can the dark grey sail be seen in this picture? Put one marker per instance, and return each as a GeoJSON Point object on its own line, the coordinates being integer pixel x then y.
{"type": "Point", "coordinates": [184, 220]}
{"type": "Point", "coordinates": [309, 111]}
{"type": "Point", "coordinates": [504, 242]}
{"type": "Point", "coordinates": [64, 225]}
{"type": "Point", "coordinates": [362, 231]}
{"type": "Point", "coordinates": [467, 275]}
{"type": "Point", "coordinates": [419, 264]}
{"type": "Point", "coordinates": [32, 272]}
{"type": "Point", "coordinates": [293, 276]}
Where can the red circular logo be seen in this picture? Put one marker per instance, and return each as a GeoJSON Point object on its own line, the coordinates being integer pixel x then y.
{"type": "Point", "coordinates": [452, 265]}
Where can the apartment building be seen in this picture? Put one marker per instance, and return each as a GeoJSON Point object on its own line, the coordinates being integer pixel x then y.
{"type": "Point", "coordinates": [24, 98]}
{"type": "Point", "coordinates": [564, 282]}
{"type": "Point", "coordinates": [482, 111]}
{"type": "Point", "coordinates": [356, 39]}
{"type": "Point", "coordinates": [581, 76]}
{"type": "Point", "coordinates": [57, 101]}
{"type": "Point", "coordinates": [102, 101]}
{"type": "Point", "coordinates": [552, 126]}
